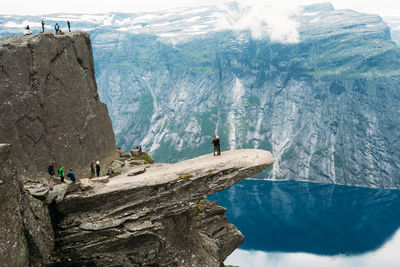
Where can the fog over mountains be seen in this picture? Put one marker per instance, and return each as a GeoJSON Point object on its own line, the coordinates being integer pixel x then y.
{"type": "Point", "coordinates": [316, 86]}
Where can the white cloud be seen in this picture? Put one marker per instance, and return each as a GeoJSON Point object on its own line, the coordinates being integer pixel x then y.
{"type": "Point", "coordinates": [261, 20]}
{"type": "Point", "coordinates": [23, 7]}
{"type": "Point", "coordinates": [387, 256]}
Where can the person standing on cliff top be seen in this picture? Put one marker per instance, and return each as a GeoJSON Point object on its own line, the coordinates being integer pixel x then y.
{"type": "Point", "coordinates": [98, 168]}
{"type": "Point", "coordinates": [57, 28]}
{"type": "Point", "coordinates": [216, 143]}
{"type": "Point", "coordinates": [61, 173]}
{"type": "Point", "coordinates": [69, 25]}
{"type": "Point", "coordinates": [43, 23]}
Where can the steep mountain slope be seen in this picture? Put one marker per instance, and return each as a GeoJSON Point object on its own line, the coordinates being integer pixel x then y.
{"type": "Point", "coordinates": [50, 109]}
{"type": "Point", "coordinates": [318, 87]}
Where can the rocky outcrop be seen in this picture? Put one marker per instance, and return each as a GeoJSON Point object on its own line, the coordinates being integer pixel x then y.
{"type": "Point", "coordinates": [157, 217]}
{"type": "Point", "coordinates": [50, 109]}
{"type": "Point", "coordinates": [26, 233]}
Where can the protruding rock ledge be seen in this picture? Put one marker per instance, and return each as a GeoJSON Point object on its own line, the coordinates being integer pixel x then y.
{"type": "Point", "coordinates": [156, 217]}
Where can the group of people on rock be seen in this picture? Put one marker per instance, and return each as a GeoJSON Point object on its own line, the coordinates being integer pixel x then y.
{"type": "Point", "coordinates": [94, 170]}
{"type": "Point", "coordinates": [58, 30]}
{"type": "Point", "coordinates": [61, 173]}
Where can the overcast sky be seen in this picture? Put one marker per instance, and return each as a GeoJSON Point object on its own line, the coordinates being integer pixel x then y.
{"type": "Point", "coordinates": [25, 7]}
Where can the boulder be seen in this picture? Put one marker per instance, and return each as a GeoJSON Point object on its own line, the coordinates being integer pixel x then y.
{"type": "Point", "coordinates": [86, 184]}
{"type": "Point", "coordinates": [116, 166]}
{"type": "Point", "coordinates": [137, 170]}
{"type": "Point", "coordinates": [37, 190]}
{"type": "Point", "coordinates": [123, 154]}
{"type": "Point", "coordinates": [57, 193]}
{"type": "Point", "coordinates": [135, 153]}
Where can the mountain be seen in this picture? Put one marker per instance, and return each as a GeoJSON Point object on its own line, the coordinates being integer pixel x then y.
{"type": "Point", "coordinates": [50, 109]}
{"type": "Point", "coordinates": [318, 86]}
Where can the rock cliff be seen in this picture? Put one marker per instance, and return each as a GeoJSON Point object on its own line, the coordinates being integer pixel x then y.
{"type": "Point", "coordinates": [157, 217]}
{"type": "Point", "coordinates": [50, 109]}
{"type": "Point", "coordinates": [26, 233]}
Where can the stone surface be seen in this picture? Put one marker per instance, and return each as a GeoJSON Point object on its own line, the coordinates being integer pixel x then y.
{"type": "Point", "coordinates": [37, 190]}
{"type": "Point", "coordinates": [26, 233]}
{"type": "Point", "coordinates": [116, 166]}
{"type": "Point", "coordinates": [50, 108]}
{"type": "Point", "coordinates": [155, 218]}
{"type": "Point", "coordinates": [102, 179]}
{"type": "Point", "coordinates": [138, 170]}
{"type": "Point", "coordinates": [86, 184]}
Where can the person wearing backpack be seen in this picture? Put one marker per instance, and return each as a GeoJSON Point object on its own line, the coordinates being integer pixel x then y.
{"type": "Point", "coordinates": [61, 173]}
{"type": "Point", "coordinates": [51, 171]}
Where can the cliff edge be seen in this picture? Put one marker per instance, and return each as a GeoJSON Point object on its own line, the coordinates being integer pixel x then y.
{"type": "Point", "coordinates": [156, 215]}
{"type": "Point", "coordinates": [50, 109]}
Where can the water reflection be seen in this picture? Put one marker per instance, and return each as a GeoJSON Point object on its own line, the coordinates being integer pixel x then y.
{"type": "Point", "coordinates": [387, 256]}
{"type": "Point", "coordinates": [312, 218]}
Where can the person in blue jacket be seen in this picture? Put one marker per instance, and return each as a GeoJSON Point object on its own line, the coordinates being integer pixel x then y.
{"type": "Point", "coordinates": [71, 175]}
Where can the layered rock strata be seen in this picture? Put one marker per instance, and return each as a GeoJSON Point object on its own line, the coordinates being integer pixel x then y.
{"type": "Point", "coordinates": [50, 109]}
{"type": "Point", "coordinates": [26, 233]}
{"type": "Point", "coordinates": [157, 217]}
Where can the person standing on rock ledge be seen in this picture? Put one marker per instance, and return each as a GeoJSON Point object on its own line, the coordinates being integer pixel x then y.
{"type": "Point", "coordinates": [43, 23]}
{"type": "Point", "coordinates": [61, 173]}
{"type": "Point", "coordinates": [92, 171]}
{"type": "Point", "coordinates": [51, 171]}
{"type": "Point", "coordinates": [57, 28]}
{"type": "Point", "coordinates": [216, 143]}
{"type": "Point", "coordinates": [98, 168]}
{"type": "Point", "coordinates": [69, 25]}
{"type": "Point", "coordinates": [71, 175]}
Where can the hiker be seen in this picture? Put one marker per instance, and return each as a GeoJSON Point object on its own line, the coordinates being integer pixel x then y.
{"type": "Point", "coordinates": [71, 175]}
{"type": "Point", "coordinates": [61, 173]}
{"type": "Point", "coordinates": [215, 141]}
{"type": "Point", "coordinates": [43, 23]}
{"type": "Point", "coordinates": [92, 172]}
{"type": "Point", "coordinates": [57, 28]}
{"type": "Point", "coordinates": [98, 168]}
{"type": "Point", "coordinates": [27, 30]}
{"type": "Point", "coordinates": [61, 32]}
{"type": "Point", "coordinates": [69, 25]}
{"type": "Point", "coordinates": [51, 171]}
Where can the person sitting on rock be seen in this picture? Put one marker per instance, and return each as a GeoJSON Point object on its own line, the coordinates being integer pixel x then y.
{"type": "Point", "coordinates": [71, 175]}
{"type": "Point", "coordinates": [216, 143]}
{"type": "Point", "coordinates": [61, 173]}
{"type": "Point", "coordinates": [98, 168]}
{"type": "Point", "coordinates": [27, 30]}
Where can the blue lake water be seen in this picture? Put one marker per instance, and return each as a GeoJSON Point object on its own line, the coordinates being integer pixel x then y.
{"type": "Point", "coordinates": [291, 223]}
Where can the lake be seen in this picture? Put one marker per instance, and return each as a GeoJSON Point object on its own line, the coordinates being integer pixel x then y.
{"type": "Point", "coordinates": [291, 223]}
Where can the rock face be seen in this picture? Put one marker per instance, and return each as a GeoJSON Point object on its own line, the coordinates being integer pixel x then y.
{"type": "Point", "coordinates": [26, 233]}
{"type": "Point", "coordinates": [50, 109]}
{"type": "Point", "coordinates": [157, 217]}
